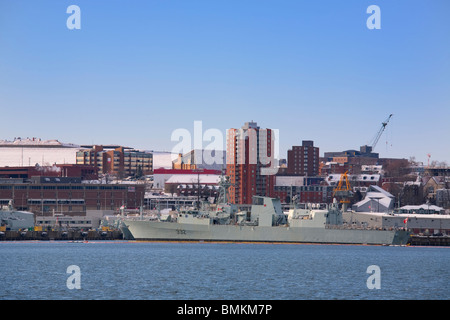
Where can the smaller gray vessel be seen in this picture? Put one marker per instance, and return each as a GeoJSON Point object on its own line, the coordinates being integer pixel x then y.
{"type": "Point", "coordinates": [264, 223]}
{"type": "Point", "coordinates": [15, 220]}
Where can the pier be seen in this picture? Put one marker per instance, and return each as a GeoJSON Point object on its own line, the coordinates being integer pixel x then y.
{"type": "Point", "coordinates": [61, 235]}
{"type": "Point", "coordinates": [417, 240]}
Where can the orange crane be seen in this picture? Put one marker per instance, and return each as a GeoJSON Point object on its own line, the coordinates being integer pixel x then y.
{"type": "Point", "coordinates": [344, 192]}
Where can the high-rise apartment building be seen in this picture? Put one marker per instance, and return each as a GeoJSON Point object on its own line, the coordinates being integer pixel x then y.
{"type": "Point", "coordinates": [303, 160]}
{"type": "Point", "coordinates": [250, 157]}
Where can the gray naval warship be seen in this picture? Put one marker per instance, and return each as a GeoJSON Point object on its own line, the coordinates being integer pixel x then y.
{"type": "Point", "coordinates": [265, 222]}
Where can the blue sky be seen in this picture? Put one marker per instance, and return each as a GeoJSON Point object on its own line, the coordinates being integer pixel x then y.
{"type": "Point", "coordinates": [138, 70]}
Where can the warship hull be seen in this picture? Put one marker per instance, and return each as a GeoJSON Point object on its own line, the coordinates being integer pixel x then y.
{"type": "Point", "coordinates": [168, 231]}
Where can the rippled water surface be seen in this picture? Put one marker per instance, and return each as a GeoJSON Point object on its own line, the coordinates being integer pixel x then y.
{"type": "Point", "coordinates": [131, 270]}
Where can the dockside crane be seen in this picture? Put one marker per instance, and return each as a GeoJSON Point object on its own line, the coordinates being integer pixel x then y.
{"type": "Point", "coordinates": [380, 132]}
{"type": "Point", "coordinates": [343, 191]}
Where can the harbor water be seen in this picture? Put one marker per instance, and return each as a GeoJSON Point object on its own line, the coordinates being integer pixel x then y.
{"type": "Point", "coordinates": [225, 271]}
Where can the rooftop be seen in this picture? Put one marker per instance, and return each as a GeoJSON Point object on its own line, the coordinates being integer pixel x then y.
{"type": "Point", "coordinates": [194, 179]}
{"type": "Point", "coordinates": [36, 142]}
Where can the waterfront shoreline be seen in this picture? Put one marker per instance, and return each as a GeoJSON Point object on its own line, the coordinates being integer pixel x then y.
{"type": "Point", "coordinates": [110, 236]}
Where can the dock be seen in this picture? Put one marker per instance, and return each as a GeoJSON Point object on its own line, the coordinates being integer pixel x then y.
{"type": "Point", "coordinates": [60, 235]}
{"type": "Point", "coordinates": [416, 240]}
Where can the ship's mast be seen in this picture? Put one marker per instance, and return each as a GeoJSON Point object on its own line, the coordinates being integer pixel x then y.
{"type": "Point", "coordinates": [224, 184]}
{"type": "Point", "coordinates": [198, 171]}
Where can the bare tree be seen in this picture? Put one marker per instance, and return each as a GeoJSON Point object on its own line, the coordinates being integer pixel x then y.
{"type": "Point", "coordinates": [170, 188]}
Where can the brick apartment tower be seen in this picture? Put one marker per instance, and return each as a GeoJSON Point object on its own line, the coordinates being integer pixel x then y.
{"type": "Point", "coordinates": [303, 160]}
{"type": "Point", "coordinates": [244, 162]}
